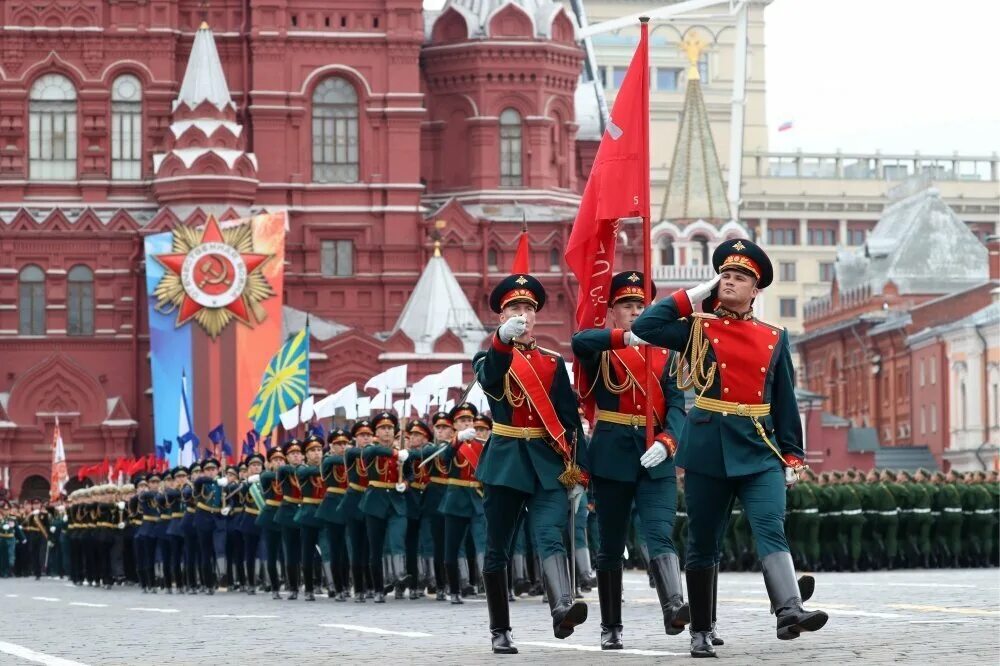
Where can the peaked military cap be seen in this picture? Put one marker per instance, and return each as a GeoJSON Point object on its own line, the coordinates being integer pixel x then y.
{"type": "Point", "coordinates": [313, 441]}
{"type": "Point", "coordinates": [208, 463]}
{"type": "Point", "coordinates": [337, 436]}
{"type": "Point", "coordinates": [275, 452]}
{"type": "Point", "coordinates": [442, 418]}
{"type": "Point", "coordinates": [194, 468]}
{"type": "Point", "coordinates": [292, 445]}
{"type": "Point", "coordinates": [746, 256]}
{"type": "Point", "coordinates": [417, 424]}
{"type": "Point", "coordinates": [483, 421]}
{"type": "Point", "coordinates": [362, 426]}
{"type": "Point", "coordinates": [254, 457]}
{"type": "Point", "coordinates": [517, 288]}
{"type": "Point", "coordinates": [385, 418]}
{"type": "Point", "coordinates": [628, 286]}
{"type": "Point", "coordinates": [463, 410]}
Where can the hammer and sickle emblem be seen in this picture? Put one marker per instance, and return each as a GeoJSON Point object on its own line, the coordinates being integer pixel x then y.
{"type": "Point", "coordinates": [214, 271]}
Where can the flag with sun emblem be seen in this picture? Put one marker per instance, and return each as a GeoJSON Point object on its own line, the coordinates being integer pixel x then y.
{"type": "Point", "coordinates": [285, 383]}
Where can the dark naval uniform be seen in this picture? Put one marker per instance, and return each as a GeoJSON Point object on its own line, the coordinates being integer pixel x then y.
{"type": "Point", "coordinates": [207, 494]}
{"type": "Point", "coordinates": [743, 431]}
{"type": "Point", "coordinates": [614, 373]}
{"type": "Point", "coordinates": [530, 460]}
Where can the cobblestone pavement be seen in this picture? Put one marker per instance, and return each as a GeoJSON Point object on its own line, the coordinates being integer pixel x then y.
{"type": "Point", "coordinates": [897, 617]}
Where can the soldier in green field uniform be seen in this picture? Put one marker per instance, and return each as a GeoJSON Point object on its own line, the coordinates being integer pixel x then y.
{"type": "Point", "coordinates": [978, 513]}
{"type": "Point", "coordinates": [852, 520]}
{"type": "Point", "coordinates": [384, 504]}
{"type": "Point", "coordinates": [948, 535]}
{"type": "Point", "coordinates": [743, 439]}
{"type": "Point", "coordinates": [334, 475]}
{"type": "Point", "coordinates": [921, 517]}
{"type": "Point", "coordinates": [624, 468]}
{"type": "Point", "coordinates": [992, 483]}
{"type": "Point", "coordinates": [826, 497]}
{"type": "Point", "coordinates": [532, 459]}
{"type": "Point", "coordinates": [886, 503]}
{"type": "Point", "coordinates": [809, 520]}
{"type": "Point", "coordinates": [903, 501]}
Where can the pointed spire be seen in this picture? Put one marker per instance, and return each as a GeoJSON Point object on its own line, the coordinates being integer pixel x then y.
{"type": "Point", "coordinates": [695, 188]}
{"type": "Point", "coordinates": [204, 79]}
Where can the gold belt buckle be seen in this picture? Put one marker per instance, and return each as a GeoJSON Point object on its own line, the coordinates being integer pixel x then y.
{"type": "Point", "coordinates": [742, 410]}
{"type": "Point", "coordinates": [524, 433]}
{"type": "Point", "coordinates": [634, 421]}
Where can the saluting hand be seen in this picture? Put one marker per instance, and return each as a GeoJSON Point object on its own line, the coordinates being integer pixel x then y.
{"type": "Point", "coordinates": [700, 292]}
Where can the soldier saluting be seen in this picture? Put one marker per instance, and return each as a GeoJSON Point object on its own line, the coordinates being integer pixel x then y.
{"type": "Point", "coordinates": [530, 460]}
{"type": "Point", "coordinates": [744, 436]}
{"type": "Point", "coordinates": [624, 469]}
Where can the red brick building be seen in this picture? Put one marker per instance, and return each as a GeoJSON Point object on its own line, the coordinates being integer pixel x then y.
{"type": "Point", "coordinates": [379, 127]}
{"type": "Point", "coordinates": [920, 267]}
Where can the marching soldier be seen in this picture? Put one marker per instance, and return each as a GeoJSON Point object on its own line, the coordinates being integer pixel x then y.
{"type": "Point", "coordinates": [207, 494]}
{"type": "Point", "coordinates": [383, 503]}
{"type": "Point", "coordinates": [291, 499]}
{"type": "Point", "coordinates": [357, 483]}
{"type": "Point", "coordinates": [417, 435]}
{"type": "Point", "coordinates": [334, 475]}
{"type": "Point", "coordinates": [36, 528]}
{"type": "Point", "coordinates": [165, 501]}
{"type": "Point", "coordinates": [146, 535]}
{"type": "Point", "coordinates": [10, 534]}
{"type": "Point", "coordinates": [230, 516]}
{"type": "Point", "coordinates": [270, 529]}
{"type": "Point", "coordinates": [744, 437]}
{"type": "Point", "coordinates": [532, 458]}
{"type": "Point", "coordinates": [440, 472]}
{"type": "Point", "coordinates": [624, 470]}
{"type": "Point", "coordinates": [313, 490]}
{"type": "Point", "coordinates": [948, 535]}
{"type": "Point", "coordinates": [248, 526]}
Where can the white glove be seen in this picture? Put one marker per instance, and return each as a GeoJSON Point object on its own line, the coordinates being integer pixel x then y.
{"type": "Point", "coordinates": [222, 481]}
{"type": "Point", "coordinates": [402, 455]}
{"type": "Point", "coordinates": [121, 505]}
{"type": "Point", "coordinates": [700, 292]}
{"type": "Point", "coordinates": [574, 494]}
{"type": "Point", "coordinates": [52, 529]}
{"type": "Point", "coordinates": [253, 478]}
{"type": "Point", "coordinates": [635, 341]}
{"type": "Point", "coordinates": [7, 526]}
{"type": "Point", "coordinates": [467, 434]}
{"type": "Point", "coordinates": [654, 455]}
{"type": "Point", "coordinates": [121, 526]}
{"type": "Point", "coordinates": [791, 477]}
{"type": "Point", "coordinates": [226, 510]}
{"type": "Point", "coordinates": [513, 328]}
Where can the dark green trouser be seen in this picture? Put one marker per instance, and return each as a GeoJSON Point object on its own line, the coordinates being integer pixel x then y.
{"type": "Point", "coordinates": [656, 503]}
{"type": "Point", "coordinates": [709, 500]}
{"type": "Point", "coordinates": [680, 535]}
{"type": "Point", "coordinates": [502, 505]}
{"type": "Point", "coordinates": [948, 535]}
{"type": "Point", "coordinates": [852, 526]}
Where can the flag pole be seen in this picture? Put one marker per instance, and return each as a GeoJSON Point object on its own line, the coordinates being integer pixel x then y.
{"type": "Point", "coordinates": [647, 260]}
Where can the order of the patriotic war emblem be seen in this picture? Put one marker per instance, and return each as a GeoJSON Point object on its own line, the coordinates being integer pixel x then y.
{"type": "Point", "coordinates": [213, 276]}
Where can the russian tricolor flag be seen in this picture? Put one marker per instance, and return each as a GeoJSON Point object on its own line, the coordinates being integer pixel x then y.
{"type": "Point", "coordinates": [785, 126]}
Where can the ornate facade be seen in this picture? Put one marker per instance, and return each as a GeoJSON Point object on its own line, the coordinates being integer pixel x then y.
{"type": "Point", "coordinates": [379, 127]}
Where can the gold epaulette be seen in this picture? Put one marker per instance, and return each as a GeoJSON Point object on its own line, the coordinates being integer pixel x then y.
{"type": "Point", "coordinates": [767, 323]}
{"type": "Point", "coordinates": [704, 315]}
{"type": "Point", "coordinates": [551, 352]}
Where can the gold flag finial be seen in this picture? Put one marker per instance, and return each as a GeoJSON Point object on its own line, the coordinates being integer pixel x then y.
{"type": "Point", "coordinates": [437, 248]}
{"type": "Point", "coordinates": [693, 45]}
{"type": "Point", "coordinates": [203, 26]}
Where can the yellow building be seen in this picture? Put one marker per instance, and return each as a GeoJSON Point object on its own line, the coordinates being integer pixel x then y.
{"type": "Point", "coordinates": [800, 206]}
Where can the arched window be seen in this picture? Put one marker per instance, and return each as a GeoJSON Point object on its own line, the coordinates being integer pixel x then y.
{"type": "Point", "coordinates": [31, 303]}
{"type": "Point", "coordinates": [667, 251]}
{"type": "Point", "coordinates": [335, 132]}
{"type": "Point", "coordinates": [126, 128]}
{"type": "Point", "coordinates": [510, 148]}
{"type": "Point", "coordinates": [52, 129]}
{"type": "Point", "coordinates": [80, 301]}
{"type": "Point", "coordinates": [702, 248]}
{"type": "Point", "coordinates": [492, 261]}
{"type": "Point", "coordinates": [555, 260]}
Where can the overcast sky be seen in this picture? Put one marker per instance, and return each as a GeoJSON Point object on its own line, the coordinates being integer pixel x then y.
{"type": "Point", "coordinates": [893, 75]}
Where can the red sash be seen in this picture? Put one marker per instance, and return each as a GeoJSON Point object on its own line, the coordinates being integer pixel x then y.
{"type": "Point", "coordinates": [529, 381]}
{"type": "Point", "coordinates": [634, 362]}
{"type": "Point", "coordinates": [472, 450]}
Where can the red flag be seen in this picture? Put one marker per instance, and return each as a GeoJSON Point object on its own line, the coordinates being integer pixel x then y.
{"type": "Point", "coordinates": [522, 263]}
{"type": "Point", "coordinates": [103, 469]}
{"type": "Point", "coordinates": [618, 187]}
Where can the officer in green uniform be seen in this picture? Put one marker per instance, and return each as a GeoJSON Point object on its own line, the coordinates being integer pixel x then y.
{"type": "Point", "coordinates": [383, 504]}
{"type": "Point", "coordinates": [440, 472]}
{"type": "Point", "coordinates": [291, 499]}
{"type": "Point", "coordinates": [418, 565]}
{"type": "Point", "coordinates": [948, 535]}
{"type": "Point", "coordinates": [992, 483]}
{"type": "Point", "coordinates": [334, 474]}
{"type": "Point", "coordinates": [921, 517]}
{"type": "Point", "coordinates": [978, 514]}
{"type": "Point", "coordinates": [887, 504]}
{"type": "Point", "coordinates": [743, 438]}
{"type": "Point", "coordinates": [271, 530]}
{"type": "Point", "coordinates": [313, 489]}
{"type": "Point", "coordinates": [624, 468]}
{"type": "Point", "coordinates": [532, 457]}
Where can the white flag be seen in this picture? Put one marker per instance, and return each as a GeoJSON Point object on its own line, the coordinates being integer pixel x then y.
{"type": "Point", "coordinates": [307, 410]}
{"type": "Point", "coordinates": [478, 398]}
{"type": "Point", "coordinates": [363, 408]}
{"type": "Point", "coordinates": [382, 401]}
{"type": "Point", "coordinates": [326, 407]}
{"type": "Point", "coordinates": [290, 419]}
{"type": "Point", "coordinates": [391, 379]}
{"type": "Point", "coordinates": [450, 377]}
